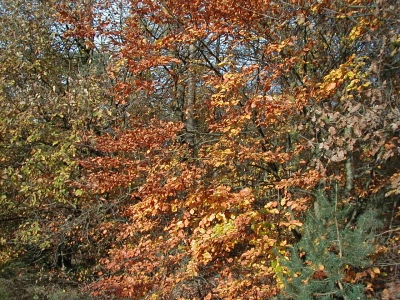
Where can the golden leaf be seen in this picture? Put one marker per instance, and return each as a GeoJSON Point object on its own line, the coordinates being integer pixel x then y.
{"type": "Point", "coordinates": [376, 270]}
{"type": "Point", "coordinates": [331, 86]}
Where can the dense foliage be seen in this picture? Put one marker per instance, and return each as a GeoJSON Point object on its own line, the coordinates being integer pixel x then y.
{"type": "Point", "coordinates": [202, 149]}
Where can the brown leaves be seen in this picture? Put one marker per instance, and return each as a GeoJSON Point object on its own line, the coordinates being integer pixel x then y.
{"type": "Point", "coordinates": [395, 185]}
{"type": "Point", "coordinates": [282, 106]}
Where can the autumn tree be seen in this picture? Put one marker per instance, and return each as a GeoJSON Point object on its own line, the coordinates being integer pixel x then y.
{"type": "Point", "coordinates": [54, 90]}
{"type": "Point", "coordinates": [272, 102]}
{"type": "Point", "coordinates": [214, 149]}
{"type": "Point", "coordinates": [353, 137]}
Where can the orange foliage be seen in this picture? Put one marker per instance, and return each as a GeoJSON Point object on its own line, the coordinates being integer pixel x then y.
{"type": "Point", "coordinates": [203, 219]}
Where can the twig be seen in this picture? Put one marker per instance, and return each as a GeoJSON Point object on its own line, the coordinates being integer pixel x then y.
{"type": "Point", "coordinates": [338, 235]}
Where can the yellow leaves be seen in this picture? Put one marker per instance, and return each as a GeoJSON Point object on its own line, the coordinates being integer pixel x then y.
{"type": "Point", "coordinates": [395, 185]}
{"type": "Point", "coordinates": [221, 155]}
{"type": "Point", "coordinates": [206, 257]}
{"type": "Point", "coordinates": [271, 207]}
{"type": "Point", "coordinates": [216, 238]}
{"type": "Point", "coordinates": [283, 201]}
{"type": "Point", "coordinates": [316, 7]}
{"type": "Point", "coordinates": [226, 227]}
{"type": "Point", "coordinates": [332, 81]}
{"type": "Point", "coordinates": [211, 217]}
{"type": "Point", "coordinates": [234, 131]}
{"type": "Point", "coordinates": [228, 89]}
{"type": "Point", "coordinates": [229, 151]}
{"type": "Point", "coordinates": [119, 64]}
{"type": "Point", "coordinates": [274, 211]}
{"type": "Point", "coordinates": [288, 42]}
{"type": "Point", "coordinates": [351, 72]}
{"type": "Point", "coordinates": [376, 270]}
{"type": "Point", "coordinates": [355, 33]}
{"type": "Point", "coordinates": [301, 19]}
{"type": "Point", "coordinates": [226, 61]}
{"type": "Point", "coordinates": [363, 25]}
{"type": "Point", "coordinates": [201, 230]}
{"type": "Point", "coordinates": [373, 272]}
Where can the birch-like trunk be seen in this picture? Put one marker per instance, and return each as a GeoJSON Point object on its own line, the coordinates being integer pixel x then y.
{"type": "Point", "coordinates": [190, 100]}
{"type": "Point", "coordinates": [349, 167]}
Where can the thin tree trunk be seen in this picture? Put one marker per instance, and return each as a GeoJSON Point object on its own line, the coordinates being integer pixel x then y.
{"type": "Point", "coordinates": [190, 101]}
{"type": "Point", "coordinates": [349, 168]}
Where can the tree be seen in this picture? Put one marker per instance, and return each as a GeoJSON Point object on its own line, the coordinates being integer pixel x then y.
{"type": "Point", "coordinates": [50, 98]}
{"type": "Point", "coordinates": [331, 246]}
{"type": "Point", "coordinates": [277, 115]}
{"type": "Point", "coordinates": [220, 150]}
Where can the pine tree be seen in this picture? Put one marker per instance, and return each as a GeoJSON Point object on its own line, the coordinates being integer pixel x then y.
{"type": "Point", "coordinates": [333, 240]}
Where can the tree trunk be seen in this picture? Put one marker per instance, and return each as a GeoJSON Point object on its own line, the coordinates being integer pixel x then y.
{"type": "Point", "coordinates": [190, 101]}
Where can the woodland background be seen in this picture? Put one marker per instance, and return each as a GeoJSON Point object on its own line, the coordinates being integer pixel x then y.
{"type": "Point", "coordinates": [159, 149]}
